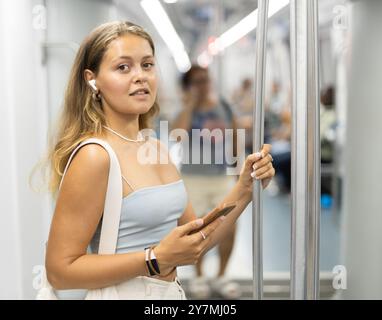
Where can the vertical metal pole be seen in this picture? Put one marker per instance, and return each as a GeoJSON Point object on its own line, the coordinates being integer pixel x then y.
{"type": "Point", "coordinates": [258, 141]}
{"type": "Point", "coordinates": [306, 157]}
{"type": "Point", "coordinates": [314, 154]}
{"type": "Point", "coordinates": [299, 62]}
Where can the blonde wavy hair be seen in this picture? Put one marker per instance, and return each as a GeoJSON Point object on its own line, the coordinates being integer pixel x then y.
{"type": "Point", "coordinates": [82, 116]}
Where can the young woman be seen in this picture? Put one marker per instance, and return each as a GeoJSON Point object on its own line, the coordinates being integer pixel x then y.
{"type": "Point", "coordinates": [111, 95]}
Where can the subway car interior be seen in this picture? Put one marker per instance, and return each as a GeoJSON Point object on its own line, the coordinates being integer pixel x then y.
{"type": "Point", "coordinates": [302, 76]}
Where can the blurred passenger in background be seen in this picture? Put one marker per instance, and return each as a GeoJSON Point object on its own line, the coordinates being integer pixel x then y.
{"type": "Point", "coordinates": [243, 99]}
{"type": "Point", "coordinates": [327, 124]}
{"type": "Point", "coordinates": [207, 183]}
{"type": "Point", "coordinates": [278, 130]}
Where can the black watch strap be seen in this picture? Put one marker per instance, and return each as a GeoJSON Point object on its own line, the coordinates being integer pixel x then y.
{"type": "Point", "coordinates": [154, 261]}
{"type": "Point", "coordinates": [151, 262]}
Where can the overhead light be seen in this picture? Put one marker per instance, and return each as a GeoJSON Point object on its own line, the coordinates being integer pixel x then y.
{"type": "Point", "coordinates": [241, 29]}
{"type": "Point", "coordinates": [170, 1]}
{"type": "Point", "coordinates": [247, 24]}
{"type": "Point", "coordinates": [162, 23]}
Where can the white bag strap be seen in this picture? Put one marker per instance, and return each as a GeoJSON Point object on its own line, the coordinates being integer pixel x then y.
{"type": "Point", "coordinates": [113, 200]}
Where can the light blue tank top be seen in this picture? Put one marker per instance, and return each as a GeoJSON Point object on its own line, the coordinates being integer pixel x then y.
{"type": "Point", "coordinates": [147, 215]}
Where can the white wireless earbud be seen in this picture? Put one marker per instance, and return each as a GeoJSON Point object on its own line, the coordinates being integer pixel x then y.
{"type": "Point", "coordinates": [92, 84]}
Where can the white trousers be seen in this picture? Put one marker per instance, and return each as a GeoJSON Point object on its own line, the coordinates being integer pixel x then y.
{"type": "Point", "coordinates": [148, 288]}
{"type": "Point", "coordinates": [139, 288]}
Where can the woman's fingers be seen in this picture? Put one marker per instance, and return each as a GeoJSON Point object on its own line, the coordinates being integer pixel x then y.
{"type": "Point", "coordinates": [207, 230]}
{"type": "Point", "coordinates": [212, 226]}
{"type": "Point", "coordinates": [263, 162]}
{"type": "Point", "coordinates": [188, 227]}
{"type": "Point", "coordinates": [268, 174]}
{"type": "Point", "coordinates": [256, 157]}
{"type": "Point", "coordinates": [259, 172]}
{"type": "Point", "coordinates": [266, 149]}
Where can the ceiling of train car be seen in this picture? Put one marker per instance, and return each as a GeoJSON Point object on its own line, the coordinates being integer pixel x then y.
{"type": "Point", "coordinates": [196, 20]}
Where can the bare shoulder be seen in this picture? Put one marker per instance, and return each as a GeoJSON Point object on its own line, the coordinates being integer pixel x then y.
{"type": "Point", "coordinates": [88, 172]}
{"type": "Point", "coordinates": [92, 156]}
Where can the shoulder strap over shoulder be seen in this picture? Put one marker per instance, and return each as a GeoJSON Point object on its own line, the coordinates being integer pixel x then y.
{"type": "Point", "coordinates": [113, 200]}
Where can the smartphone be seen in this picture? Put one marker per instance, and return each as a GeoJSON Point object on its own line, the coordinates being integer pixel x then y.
{"type": "Point", "coordinates": [214, 214]}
